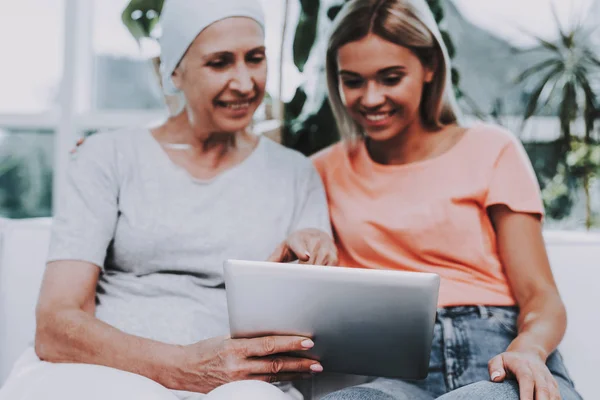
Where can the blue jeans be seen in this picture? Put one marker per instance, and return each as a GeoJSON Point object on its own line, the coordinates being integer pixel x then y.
{"type": "Point", "coordinates": [465, 339]}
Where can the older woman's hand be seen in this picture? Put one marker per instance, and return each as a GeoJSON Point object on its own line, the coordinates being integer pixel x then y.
{"type": "Point", "coordinates": [534, 377]}
{"type": "Point", "coordinates": [309, 246]}
{"type": "Point", "coordinates": [214, 362]}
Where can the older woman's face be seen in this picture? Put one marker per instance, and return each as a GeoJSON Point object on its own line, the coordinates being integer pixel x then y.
{"type": "Point", "coordinates": [223, 74]}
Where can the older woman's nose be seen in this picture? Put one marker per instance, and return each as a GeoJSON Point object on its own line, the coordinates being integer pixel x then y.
{"type": "Point", "coordinates": [242, 81]}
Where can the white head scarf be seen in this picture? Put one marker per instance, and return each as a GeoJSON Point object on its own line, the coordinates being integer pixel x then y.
{"type": "Point", "coordinates": [182, 21]}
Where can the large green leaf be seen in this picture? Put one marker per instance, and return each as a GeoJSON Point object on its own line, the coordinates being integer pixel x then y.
{"type": "Point", "coordinates": [141, 16]}
{"type": "Point", "coordinates": [310, 7]}
{"type": "Point", "coordinates": [306, 34]}
{"type": "Point", "coordinates": [436, 9]}
{"type": "Point", "coordinates": [334, 11]}
{"type": "Point", "coordinates": [449, 45]}
{"type": "Point", "coordinates": [293, 108]}
{"type": "Point", "coordinates": [535, 69]}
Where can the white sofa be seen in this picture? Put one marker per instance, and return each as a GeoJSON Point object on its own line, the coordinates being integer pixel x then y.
{"type": "Point", "coordinates": [575, 261]}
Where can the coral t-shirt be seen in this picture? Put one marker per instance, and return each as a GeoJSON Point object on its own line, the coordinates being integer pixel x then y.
{"type": "Point", "coordinates": [431, 215]}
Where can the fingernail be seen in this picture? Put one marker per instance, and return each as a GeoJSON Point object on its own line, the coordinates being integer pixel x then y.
{"type": "Point", "coordinates": [496, 375]}
{"type": "Point", "coordinates": [316, 368]}
{"type": "Point", "coordinates": [307, 343]}
{"type": "Point", "coordinates": [307, 254]}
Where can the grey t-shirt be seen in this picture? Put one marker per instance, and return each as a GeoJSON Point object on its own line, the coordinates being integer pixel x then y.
{"type": "Point", "coordinates": [160, 236]}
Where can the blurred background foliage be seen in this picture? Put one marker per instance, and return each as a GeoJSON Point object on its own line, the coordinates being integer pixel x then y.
{"type": "Point", "coordinates": [309, 125]}
{"type": "Point", "coordinates": [554, 79]}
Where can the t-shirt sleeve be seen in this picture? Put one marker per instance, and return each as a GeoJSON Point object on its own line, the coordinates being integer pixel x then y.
{"type": "Point", "coordinates": [312, 210]}
{"type": "Point", "coordinates": [513, 181]}
{"type": "Point", "coordinates": [84, 224]}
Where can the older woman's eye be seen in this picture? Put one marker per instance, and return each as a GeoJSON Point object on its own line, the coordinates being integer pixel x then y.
{"type": "Point", "coordinates": [256, 59]}
{"type": "Point", "coordinates": [218, 64]}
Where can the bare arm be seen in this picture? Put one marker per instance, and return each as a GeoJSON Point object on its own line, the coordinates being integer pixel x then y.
{"type": "Point", "coordinates": [68, 331]}
{"type": "Point", "coordinates": [542, 318]}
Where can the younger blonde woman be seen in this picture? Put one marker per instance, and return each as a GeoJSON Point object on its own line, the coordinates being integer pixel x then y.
{"type": "Point", "coordinates": [410, 188]}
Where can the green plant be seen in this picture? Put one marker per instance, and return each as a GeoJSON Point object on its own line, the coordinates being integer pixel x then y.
{"type": "Point", "coordinates": [562, 80]}
{"type": "Point", "coordinates": [141, 16]}
{"type": "Point", "coordinates": [583, 161]}
{"type": "Point", "coordinates": [309, 124]}
{"type": "Point", "coordinates": [567, 70]}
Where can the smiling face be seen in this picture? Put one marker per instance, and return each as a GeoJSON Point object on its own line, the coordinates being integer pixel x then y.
{"type": "Point", "coordinates": [223, 74]}
{"type": "Point", "coordinates": [381, 85]}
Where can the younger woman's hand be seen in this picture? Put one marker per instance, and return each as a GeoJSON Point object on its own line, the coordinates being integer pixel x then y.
{"type": "Point", "coordinates": [534, 377]}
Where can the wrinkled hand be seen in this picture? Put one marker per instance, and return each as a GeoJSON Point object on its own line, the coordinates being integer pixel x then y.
{"type": "Point", "coordinates": [214, 362]}
{"type": "Point", "coordinates": [535, 379]}
{"type": "Point", "coordinates": [309, 246]}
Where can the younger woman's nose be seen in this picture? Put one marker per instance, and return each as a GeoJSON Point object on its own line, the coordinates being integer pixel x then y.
{"type": "Point", "coordinates": [373, 96]}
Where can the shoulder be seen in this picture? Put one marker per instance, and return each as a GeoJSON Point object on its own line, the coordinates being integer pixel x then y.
{"type": "Point", "coordinates": [490, 140]}
{"type": "Point", "coordinates": [107, 152]}
{"type": "Point", "coordinates": [494, 135]}
{"type": "Point", "coordinates": [328, 157]}
{"type": "Point", "coordinates": [284, 159]}
{"type": "Point", "coordinates": [107, 142]}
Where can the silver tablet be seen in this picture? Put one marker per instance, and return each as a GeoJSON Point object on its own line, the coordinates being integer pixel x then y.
{"type": "Point", "coordinates": [364, 322]}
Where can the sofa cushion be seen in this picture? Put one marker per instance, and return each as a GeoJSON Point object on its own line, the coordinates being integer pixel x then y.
{"type": "Point", "coordinates": [575, 259]}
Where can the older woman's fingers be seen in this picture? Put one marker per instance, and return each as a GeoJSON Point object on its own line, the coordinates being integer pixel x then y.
{"type": "Point", "coordinates": [333, 255]}
{"type": "Point", "coordinates": [328, 255]}
{"type": "Point", "coordinates": [319, 251]}
{"type": "Point", "coordinates": [300, 247]}
{"type": "Point", "coordinates": [283, 377]}
{"type": "Point", "coordinates": [279, 254]}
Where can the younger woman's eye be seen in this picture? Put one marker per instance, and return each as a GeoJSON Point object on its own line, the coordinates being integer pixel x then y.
{"type": "Point", "coordinates": [352, 83]}
{"type": "Point", "coordinates": [391, 80]}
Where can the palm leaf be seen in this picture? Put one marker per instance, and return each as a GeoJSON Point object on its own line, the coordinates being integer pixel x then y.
{"type": "Point", "coordinates": [532, 104]}
{"type": "Point", "coordinates": [564, 36]}
{"type": "Point", "coordinates": [535, 69]}
{"type": "Point", "coordinates": [591, 57]}
{"type": "Point", "coordinates": [543, 42]}
{"type": "Point", "coordinates": [568, 109]}
{"type": "Point", "coordinates": [551, 94]}
{"type": "Point", "coordinates": [589, 112]}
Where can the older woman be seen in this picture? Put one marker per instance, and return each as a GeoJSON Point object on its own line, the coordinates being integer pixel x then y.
{"type": "Point", "coordinates": [133, 302]}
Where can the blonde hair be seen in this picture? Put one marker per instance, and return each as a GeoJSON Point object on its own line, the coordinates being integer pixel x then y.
{"type": "Point", "coordinates": [407, 23]}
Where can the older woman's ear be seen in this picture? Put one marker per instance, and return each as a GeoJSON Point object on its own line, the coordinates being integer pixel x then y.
{"type": "Point", "coordinates": [176, 77]}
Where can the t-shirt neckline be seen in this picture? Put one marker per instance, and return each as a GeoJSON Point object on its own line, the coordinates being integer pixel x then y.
{"type": "Point", "coordinates": [180, 170]}
{"type": "Point", "coordinates": [374, 166]}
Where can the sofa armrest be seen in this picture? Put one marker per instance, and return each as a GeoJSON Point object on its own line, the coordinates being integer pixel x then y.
{"type": "Point", "coordinates": [23, 250]}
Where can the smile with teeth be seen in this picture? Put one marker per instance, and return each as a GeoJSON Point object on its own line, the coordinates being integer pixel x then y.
{"type": "Point", "coordinates": [378, 116]}
{"type": "Point", "coordinates": [236, 105]}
